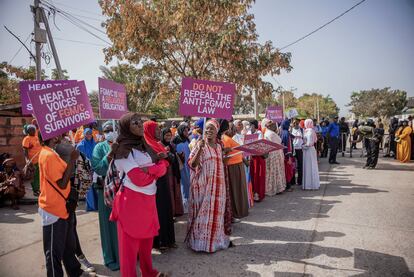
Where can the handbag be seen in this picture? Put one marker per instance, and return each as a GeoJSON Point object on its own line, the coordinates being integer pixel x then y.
{"type": "Point", "coordinates": [71, 200]}
{"type": "Point", "coordinates": [112, 184]}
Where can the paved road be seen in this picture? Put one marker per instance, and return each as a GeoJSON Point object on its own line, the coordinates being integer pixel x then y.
{"type": "Point", "coordinates": [360, 223]}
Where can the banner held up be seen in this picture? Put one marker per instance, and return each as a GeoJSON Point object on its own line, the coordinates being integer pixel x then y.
{"type": "Point", "coordinates": [60, 109]}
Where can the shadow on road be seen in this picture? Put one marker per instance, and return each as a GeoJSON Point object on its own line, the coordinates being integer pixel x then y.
{"type": "Point", "coordinates": [380, 264]}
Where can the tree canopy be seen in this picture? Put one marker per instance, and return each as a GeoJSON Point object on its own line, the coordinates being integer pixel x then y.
{"type": "Point", "coordinates": [378, 102]}
{"type": "Point", "coordinates": [171, 39]}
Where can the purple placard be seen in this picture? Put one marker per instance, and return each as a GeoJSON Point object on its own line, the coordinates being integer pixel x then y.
{"type": "Point", "coordinates": [206, 98]}
{"type": "Point", "coordinates": [60, 109]}
{"type": "Point", "coordinates": [275, 113]}
{"type": "Point", "coordinates": [26, 87]}
{"type": "Point", "coordinates": [112, 99]}
{"type": "Point", "coordinates": [249, 138]}
{"type": "Point", "coordinates": [259, 147]}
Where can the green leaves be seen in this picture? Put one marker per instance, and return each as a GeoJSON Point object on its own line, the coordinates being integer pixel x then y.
{"type": "Point", "coordinates": [378, 102]}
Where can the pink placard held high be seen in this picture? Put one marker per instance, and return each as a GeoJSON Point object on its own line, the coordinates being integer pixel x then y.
{"type": "Point", "coordinates": [112, 99]}
{"type": "Point", "coordinates": [61, 109]}
{"type": "Point", "coordinates": [206, 98]}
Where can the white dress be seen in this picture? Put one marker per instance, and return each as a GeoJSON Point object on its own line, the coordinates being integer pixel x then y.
{"type": "Point", "coordinates": [310, 178]}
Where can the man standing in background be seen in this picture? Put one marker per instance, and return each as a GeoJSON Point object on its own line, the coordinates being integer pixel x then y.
{"type": "Point", "coordinates": [333, 136]}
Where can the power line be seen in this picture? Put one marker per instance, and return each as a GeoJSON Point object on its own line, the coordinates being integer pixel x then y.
{"type": "Point", "coordinates": [76, 21]}
{"type": "Point", "coordinates": [81, 42]}
{"type": "Point", "coordinates": [20, 42]}
{"type": "Point", "coordinates": [77, 9]}
{"type": "Point", "coordinates": [21, 47]}
{"type": "Point", "coordinates": [67, 14]}
{"type": "Point", "coordinates": [324, 25]}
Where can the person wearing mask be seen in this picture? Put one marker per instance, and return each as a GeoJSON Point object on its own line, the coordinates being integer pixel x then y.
{"type": "Point", "coordinates": [310, 179]}
{"type": "Point", "coordinates": [275, 163]}
{"type": "Point", "coordinates": [183, 150]}
{"type": "Point", "coordinates": [59, 237]}
{"type": "Point", "coordinates": [108, 230]}
{"type": "Point", "coordinates": [31, 149]}
{"type": "Point", "coordinates": [344, 133]}
{"type": "Point", "coordinates": [166, 233]}
{"type": "Point", "coordinates": [333, 138]}
{"type": "Point", "coordinates": [288, 151]}
{"type": "Point", "coordinates": [297, 134]}
{"type": "Point", "coordinates": [134, 206]}
{"type": "Point", "coordinates": [86, 146]}
{"type": "Point", "coordinates": [173, 173]}
{"type": "Point", "coordinates": [257, 167]}
{"type": "Point", "coordinates": [236, 174]}
{"type": "Point", "coordinates": [11, 184]}
{"type": "Point", "coordinates": [205, 231]}
{"type": "Point", "coordinates": [404, 142]}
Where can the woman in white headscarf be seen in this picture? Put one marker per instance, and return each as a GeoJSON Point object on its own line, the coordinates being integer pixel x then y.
{"type": "Point", "coordinates": [275, 163]}
{"type": "Point", "coordinates": [310, 180]}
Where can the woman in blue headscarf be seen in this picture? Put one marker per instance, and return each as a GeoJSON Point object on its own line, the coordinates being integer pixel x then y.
{"type": "Point", "coordinates": [87, 145]}
{"type": "Point", "coordinates": [288, 151]}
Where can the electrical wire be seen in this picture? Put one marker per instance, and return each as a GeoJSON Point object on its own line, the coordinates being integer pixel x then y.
{"type": "Point", "coordinates": [323, 26]}
{"type": "Point", "coordinates": [73, 8]}
{"type": "Point", "coordinates": [67, 14]}
{"type": "Point", "coordinates": [75, 21]}
{"type": "Point", "coordinates": [79, 41]}
{"type": "Point", "coordinates": [18, 51]}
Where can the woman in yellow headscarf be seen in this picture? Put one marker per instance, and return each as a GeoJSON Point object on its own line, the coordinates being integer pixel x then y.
{"type": "Point", "coordinates": [404, 142]}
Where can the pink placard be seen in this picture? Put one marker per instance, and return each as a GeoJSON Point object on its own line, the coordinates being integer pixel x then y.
{"type": "Point", "coordinates": [275, 113]}
{"type": "Point", "coordinates": [250, 138]}
{"type": "Point", "coordinates": [112, 99]}
{"type": "Point", "coordinates": [259, 147]}
{"type": "Point", "coordinates": [61, 109]}
{"type": "Point", "coordinates": [27, 87]}
{"type": "Point", "coordinates": [206, 98]}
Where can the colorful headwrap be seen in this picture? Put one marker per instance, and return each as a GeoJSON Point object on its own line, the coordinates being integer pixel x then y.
{"type": "Point", "coordinates": [214, 123]}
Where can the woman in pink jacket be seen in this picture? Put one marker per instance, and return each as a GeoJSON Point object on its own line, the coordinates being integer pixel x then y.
{"type": "Point", "coordinates": [134, 207]}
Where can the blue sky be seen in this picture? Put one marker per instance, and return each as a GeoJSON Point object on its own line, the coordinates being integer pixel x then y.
{"type": "Point", "coordinates": [370, 47]}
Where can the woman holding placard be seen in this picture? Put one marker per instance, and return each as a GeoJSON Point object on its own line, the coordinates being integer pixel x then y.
{"type": "Point", "coordinates": [207, 194]}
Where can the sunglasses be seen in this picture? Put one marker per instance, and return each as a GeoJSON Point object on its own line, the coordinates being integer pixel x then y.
{"type": "Point", "coordinates": [107, 131]}
{"type": "Point", "coordinates": [135, 122]}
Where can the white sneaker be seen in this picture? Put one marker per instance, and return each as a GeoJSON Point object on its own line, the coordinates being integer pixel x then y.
{"type": "Point", "coordinates": [86, 265]}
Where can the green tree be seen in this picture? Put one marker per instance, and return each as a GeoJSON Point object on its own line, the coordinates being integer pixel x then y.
{"type": "Point", "coordinates": [55, 75]}
{"type": "Point", "coordinates": [170, 39]}
{"type": "Point", "coordinates": [307, 106]}
{"type": "Point", "coordinates": [10, 76]}
{"type": "Point", "coordinates": [378, 102]}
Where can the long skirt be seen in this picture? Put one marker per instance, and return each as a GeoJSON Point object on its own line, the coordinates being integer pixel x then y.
{"type": "Point", "coordinates": [275, 173]}
{"type": "Point", "coordinates": [175, 192]}
{"type": "Point", "coordinates": [310, 178]}
{"type": "Point", "coordinates": [238, 191]}
{"type": "Point", "coordinates": [109, 234]}
{"type": "Point", "coordinates": [258, 174]}
{"type": "Point", "coordinates": [166, 237]}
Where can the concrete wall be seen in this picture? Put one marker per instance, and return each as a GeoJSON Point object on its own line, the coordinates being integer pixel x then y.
{"type": "Point", "coordinates": [11, 136]}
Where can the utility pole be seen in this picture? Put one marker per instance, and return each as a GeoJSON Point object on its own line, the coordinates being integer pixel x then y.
{"type": "Point", "coordinates": [52, 45]}
{"type": "Point", "coordinates": [317, 108]}
{"type": "Point", "coordinates": [256, 111]}
{"type": "Point", "coordinates": [38, 38]}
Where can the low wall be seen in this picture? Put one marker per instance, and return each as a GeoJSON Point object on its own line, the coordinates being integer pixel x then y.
{"type": "Point", "coordinates": [11, 136]}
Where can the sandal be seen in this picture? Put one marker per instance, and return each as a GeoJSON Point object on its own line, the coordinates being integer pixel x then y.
{"type": "Point", "coordinates": [162, 274]}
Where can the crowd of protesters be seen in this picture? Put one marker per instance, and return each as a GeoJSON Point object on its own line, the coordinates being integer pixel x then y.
{"type": "Point", "coordinates": [165, 172]}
